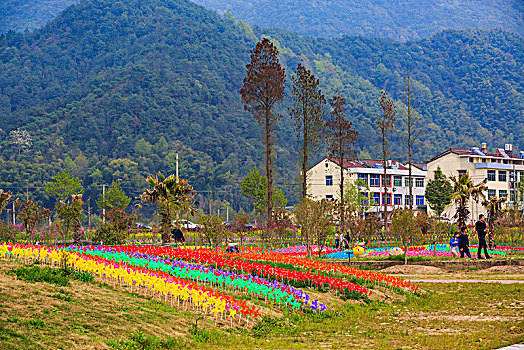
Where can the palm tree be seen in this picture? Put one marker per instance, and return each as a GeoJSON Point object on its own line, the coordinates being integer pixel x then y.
{"type": "Point", "coordinates": [4, 198]}
{"type": "Point", "coordinates": [463, 191]}
{"type": "Point", "coordinates": [495, 210]}
{"type": "Point", "coordinates": [173, 197]}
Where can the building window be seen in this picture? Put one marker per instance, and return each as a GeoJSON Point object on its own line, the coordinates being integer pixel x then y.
{"type": "Point", "coordinates": [522, 176]}
{"type": "Point", "coordinates": [503, 193]}
{"type": "Point", "coordinates": [388, 202]}
{"type": "Point", "coordinates": [502, 176]}
{"type": "Point", "coordinates": [388, 180]}
{"type": "Point", "coordinates": [491, 175]}
{"type": "Point", "coordinates": [512, 195]}
{"type": "Point", "coordinates": [462, 173]}
{"type": "Point", "coordinates": [471, 159]}
{"type": "Point", "coordinates": [420, 200]}
{"type": "Point", "coordinates": [492, 193]}
{"type": "Point", "coordinates": [329, 196]}
{"type": "Point", "coordinates": [374, 180]}
{"type": "Point", "coordinates": [406, 200]}
{"type": "Point", "coordinates": [419, 182]}
{"type": "Point", "coordinates": [398, 199]}
{"type": "Point", "coordinates": [329, 180]}
{"type": "Point", "coordinates": [397, 181]}
{"type": "Point", "coordinates": [365, 201]}
{"type": "Point", "coordinates": [327, 165]}
{"type": "Point", "coordinates": [363, 177]}
{"type": "Point", "coordinates": [376, 198]}
{"type": "Point", "coordinates": [406, 181]}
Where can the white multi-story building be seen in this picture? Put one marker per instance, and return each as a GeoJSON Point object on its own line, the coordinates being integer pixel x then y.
{"type": "Point", "coordinates": [324, 181]}
{"type": "Point", "coordinates": [502, 169]}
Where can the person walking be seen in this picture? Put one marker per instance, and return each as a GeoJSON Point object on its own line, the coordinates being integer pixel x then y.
{"type": "Point", "coordinates": [480, 227]}
{"type": "Point", "coordinates": [464, 242]}
{"type": "Point", "coordinates": [454, 244]}
{"type": "Point", "coordinates": [337, 240]}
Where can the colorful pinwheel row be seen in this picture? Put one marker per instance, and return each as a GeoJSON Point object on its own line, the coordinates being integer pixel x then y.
{"type": "Point", "coordinates": [292, 277]}
{"type": "Point", "coordinates": [317, 266]}
{"type": "Point", "coordinates": [270, 290]}
{"type": "Point", "coordinates": [168, 288]}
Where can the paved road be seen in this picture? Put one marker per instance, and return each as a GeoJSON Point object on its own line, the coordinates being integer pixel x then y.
{"type": "Point", "coordinates": [469, 281]}
{"type": "Point", "coordinates": [513, 347]}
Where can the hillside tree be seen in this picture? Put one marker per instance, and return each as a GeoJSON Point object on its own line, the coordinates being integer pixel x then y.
{"type": "Point", "coordinates": [438, 192]}
{"type": "Point", "coordinates": [115, 197]}
{"type": "Point", "coordinates": [254, 186]}
{"type": "Point", "coordinates": [413, 132]}
{"type": "Point", "coordinates": [463, 190]}
{"type": "Point", "coordinates": [262, 90]}
{"type": "Point", "coordinates": [341, 139]}
{"type": "Point", "coordinates": [21, 140]}
{"type": "Point", "coordinates": [307, 114]}
{"type": "Point", "coordinates": [385, 125]}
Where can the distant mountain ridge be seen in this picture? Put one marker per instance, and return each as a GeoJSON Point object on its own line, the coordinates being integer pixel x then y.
{"type": "Point", "coordinates": [111, 90]}
{"type": "Point", "coordinates": [396, 19]}
{"type": "Point", "coordinates": [19, 15]}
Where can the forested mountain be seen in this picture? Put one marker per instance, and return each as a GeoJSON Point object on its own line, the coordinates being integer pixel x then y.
{"type": "Point", "coordinates": [111, 90]}
{"type": "Point", "coordinates": [396, 19]}
{"type": "Point", "coordinates": [19, 15]}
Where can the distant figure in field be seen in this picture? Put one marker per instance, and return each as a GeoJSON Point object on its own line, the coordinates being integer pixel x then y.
{"type": "Point", "coordinates": [337, 240]}
{"type": "Point", "coordinates": [178, 236]}
{"type": "Point", "coordinates": [464, 242]}
{"type": "Point", "coordinates": [481, 227]}
{"type": "Point", "coordinates": [454, 244]}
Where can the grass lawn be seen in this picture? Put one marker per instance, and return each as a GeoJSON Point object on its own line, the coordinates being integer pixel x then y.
{"type": "Point", "coordinates": [40, 315]}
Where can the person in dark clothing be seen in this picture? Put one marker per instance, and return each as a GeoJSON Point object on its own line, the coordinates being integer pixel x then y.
{"type": "Point", "coordinates": [464, 242]}
{"type": "Point", "coordinates": [178, 236]}
{"type": "Point", "coordinates": [481, 227]}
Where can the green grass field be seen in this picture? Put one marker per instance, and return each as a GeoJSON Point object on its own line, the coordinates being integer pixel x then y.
{"type": "Point", "coordinates": [89, 315]}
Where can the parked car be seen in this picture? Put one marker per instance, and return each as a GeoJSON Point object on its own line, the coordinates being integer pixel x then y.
{"type": "Point", "coordinates": [188, 225]}
{"type": "Point", "coordinates": [142, 226]}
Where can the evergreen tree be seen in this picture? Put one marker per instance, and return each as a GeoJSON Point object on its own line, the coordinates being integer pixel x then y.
{"type": "Point", "coordinates": [263, 89]}
{"type": "Point", "coordinates": [438, 192]}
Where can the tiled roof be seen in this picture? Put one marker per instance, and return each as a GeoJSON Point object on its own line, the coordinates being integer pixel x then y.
{"type": "Point", "coordinates": [462, 152]}
{"type": "Point", "coordinates": [363, 163]}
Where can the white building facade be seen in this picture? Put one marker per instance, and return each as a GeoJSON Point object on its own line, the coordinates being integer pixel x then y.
{"type": "Point", "coordinates": [503, 170]}
{"type": "Point", "coordinates": [324, 182]}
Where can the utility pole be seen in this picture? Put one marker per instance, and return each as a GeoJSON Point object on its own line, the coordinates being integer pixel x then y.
{"type": "Point", "coordinates": [14, 214]}
{"type": "Point", "coordinates": [89, 214]}
{"type": "Point", "coordinates": [104, 203]}
{"type": "Point", "coordinates": [227, 213]}
{"type": "Point", "coordinates": [176, 173]}
{"type": "Point", "coordinates": [27, 192]}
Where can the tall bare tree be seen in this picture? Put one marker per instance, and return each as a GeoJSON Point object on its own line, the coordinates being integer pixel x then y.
{"type": "Point", "coordinates": [263, 88]}
{"type": "Point", "coordinates": [307, 114]}
{"type": "Point", "coordinates": [341, 139]}
{"type": "Point", "coordinates": [413, 131]}
{"type": "Point", "coordinates": [385, 124]}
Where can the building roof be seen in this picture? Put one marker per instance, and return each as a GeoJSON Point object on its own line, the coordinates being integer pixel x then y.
{"type": "Point", "coordinates": [349, 163]}
{"type": "Point", "coordinates": [420, 166]}
{"type": "Point", "coordinates": [464, 152]}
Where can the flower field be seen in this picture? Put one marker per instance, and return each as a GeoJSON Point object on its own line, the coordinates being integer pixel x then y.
{"type": "Point", "coordinates": [234, 289]}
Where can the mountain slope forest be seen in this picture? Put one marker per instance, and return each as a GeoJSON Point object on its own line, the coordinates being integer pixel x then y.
{"type": "Point", "coordinates": [396, 19]}
{"type": "Point", "coordinates": [111, 90]}
{"type": "Point", "coordinates": [19, 15]}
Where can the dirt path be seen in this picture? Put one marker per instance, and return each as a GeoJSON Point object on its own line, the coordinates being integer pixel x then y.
{"type": "Point", "coordinates": [464, 281]}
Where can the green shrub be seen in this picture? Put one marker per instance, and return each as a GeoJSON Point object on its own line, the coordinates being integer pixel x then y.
{"type": "Point", "coordinates": [108, 235]}
{"type": "Point", "coordinates": [147, 342]}
{"type": "Point", "coordinates": [46, 274]}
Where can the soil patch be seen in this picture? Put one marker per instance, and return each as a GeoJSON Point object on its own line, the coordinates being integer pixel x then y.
{"type": "Point", "coordinates": [413, 270]}
{"type": "Point", "coordinates": [504, 269]}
